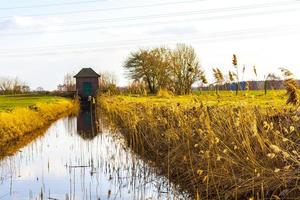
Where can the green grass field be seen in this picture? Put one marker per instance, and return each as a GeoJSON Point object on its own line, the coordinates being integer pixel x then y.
{"type": "Point", "coordinates": [273, 98]}
{"type": "Point", "coordinates": [13, 101]}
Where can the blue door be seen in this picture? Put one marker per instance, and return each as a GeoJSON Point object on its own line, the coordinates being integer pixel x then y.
{"type": "Point", "coordinates": [87, 89]}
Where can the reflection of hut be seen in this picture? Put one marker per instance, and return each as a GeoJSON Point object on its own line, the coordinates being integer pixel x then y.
{"type": "Point", "coordinates": [87, 83]}
{"type": "Point", "coordinates": [87, 125]}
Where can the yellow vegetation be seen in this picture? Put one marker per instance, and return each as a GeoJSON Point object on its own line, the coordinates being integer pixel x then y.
{"type": "Point", "coordinates": [164, 93]}
{"type": "Point", "coordinates": [231, 151]}
{"type": "Point", "coordinates": [13, 146]}
{"type": "Point", "coordinates": [20, 121]}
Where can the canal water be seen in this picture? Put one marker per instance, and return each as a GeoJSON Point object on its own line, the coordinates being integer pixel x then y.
{"type": "Point", "coordinates": [75, 161]}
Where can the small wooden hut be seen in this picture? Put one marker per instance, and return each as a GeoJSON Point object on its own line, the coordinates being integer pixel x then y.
{"type": "Point", "coordinates": [87, 83]}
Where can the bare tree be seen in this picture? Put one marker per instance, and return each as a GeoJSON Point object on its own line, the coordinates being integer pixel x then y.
{"type": "Point", "coordinates": [137, 87]}
{"type": "Point", "coordinates": [185, 67]}
{"type": "Point", "coordinates": [69, 82]}
{"type": "Point", "coordinates": [138, 68]}
{"type": "Point", "coordinates": [60, 88]}
{"type": "Point", "coordinates": [39, 89]}
{"type": "Point", "coordinates": [108, 82]}
{"type": "Point", "coordinates": [25, 89]}
{"type": "Point", "coordinates": [12, 86]}
{"type": "Point", "coordinates": [149, 66]}
{"type": "Point", "coordinates": [161, 62]}
{"type": "Point", "coordinates": [107, 78]}
{"type": "Point", "coordinates": [6, 85]}
{"type": "Point", "coordinates": [176, 70]}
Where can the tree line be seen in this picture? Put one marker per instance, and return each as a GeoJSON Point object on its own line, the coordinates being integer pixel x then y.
{"type": "Point", "coordinates": [13, 86]}
{"type": "Point", "coordinates": [178, 69]}
{"type": "Point", "coordinates": [163, 68]}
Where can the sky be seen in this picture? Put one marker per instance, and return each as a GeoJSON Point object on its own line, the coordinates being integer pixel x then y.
{"type": "Point", "coordinates": [42, 40]}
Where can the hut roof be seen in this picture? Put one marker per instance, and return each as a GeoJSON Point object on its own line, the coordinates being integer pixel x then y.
{"type": "Point", "coordinates": [87, 73]}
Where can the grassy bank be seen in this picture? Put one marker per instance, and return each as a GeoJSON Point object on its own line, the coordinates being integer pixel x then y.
{"type": "Point", "coordinates": [9, 102]}
{"type": "Point", "coordinates": [210, 98]}
{"type": "Point", "coordinates": [22, 117]}
{"type": "Point", "coordinates": [215, 147]}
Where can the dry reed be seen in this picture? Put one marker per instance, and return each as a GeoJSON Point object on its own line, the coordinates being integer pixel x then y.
{"type": "Point", "coordinates": [215, 152]}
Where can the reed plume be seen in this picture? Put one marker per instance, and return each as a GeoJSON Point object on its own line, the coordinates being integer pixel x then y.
{"type": "Point", "coordinates": [291, 87]}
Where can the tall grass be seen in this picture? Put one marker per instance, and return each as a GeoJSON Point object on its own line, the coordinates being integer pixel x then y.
{"type": "Point", "coordinates": [164, 93]}
{"type": "Point", "coordinates": [215, 152]}
{"type": "Point", "coordinates": [21, 121]}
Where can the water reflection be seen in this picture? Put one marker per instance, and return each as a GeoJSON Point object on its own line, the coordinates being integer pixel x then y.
{"type": "Point", "coordinates": [88, 124]}
{"type": "Point", "coordinates": [72, 161]}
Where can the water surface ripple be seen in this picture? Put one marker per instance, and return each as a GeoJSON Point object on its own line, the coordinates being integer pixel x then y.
{"type": "Point", "coordinates": [70, 163]}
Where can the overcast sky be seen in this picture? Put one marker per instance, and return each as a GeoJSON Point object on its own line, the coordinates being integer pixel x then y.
{"type": "Point", "coordinates": [41, 40]}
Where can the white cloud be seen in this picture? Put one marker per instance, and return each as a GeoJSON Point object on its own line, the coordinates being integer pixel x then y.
{"type": "Point", "coordinates": [31, 23]}
{"type": "Point", "coordinates": [269, 40]}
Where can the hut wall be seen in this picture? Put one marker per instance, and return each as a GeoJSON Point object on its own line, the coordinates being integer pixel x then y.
{"type": "Point", "coordinates": [81, 81]}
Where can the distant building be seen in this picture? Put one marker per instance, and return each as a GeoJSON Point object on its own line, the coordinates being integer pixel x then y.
{"type": "Point", "coordinates": [253, 85]}
{"type": "Point", "coordinates": [87, 83]}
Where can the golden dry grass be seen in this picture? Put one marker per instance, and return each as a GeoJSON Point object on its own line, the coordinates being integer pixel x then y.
{"type": "Point", "coordinates": [17, 122]}
{"type": "Point", "coordinates": [276, 98]}
{"type": "Point", "coordinates": [216, 148]}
